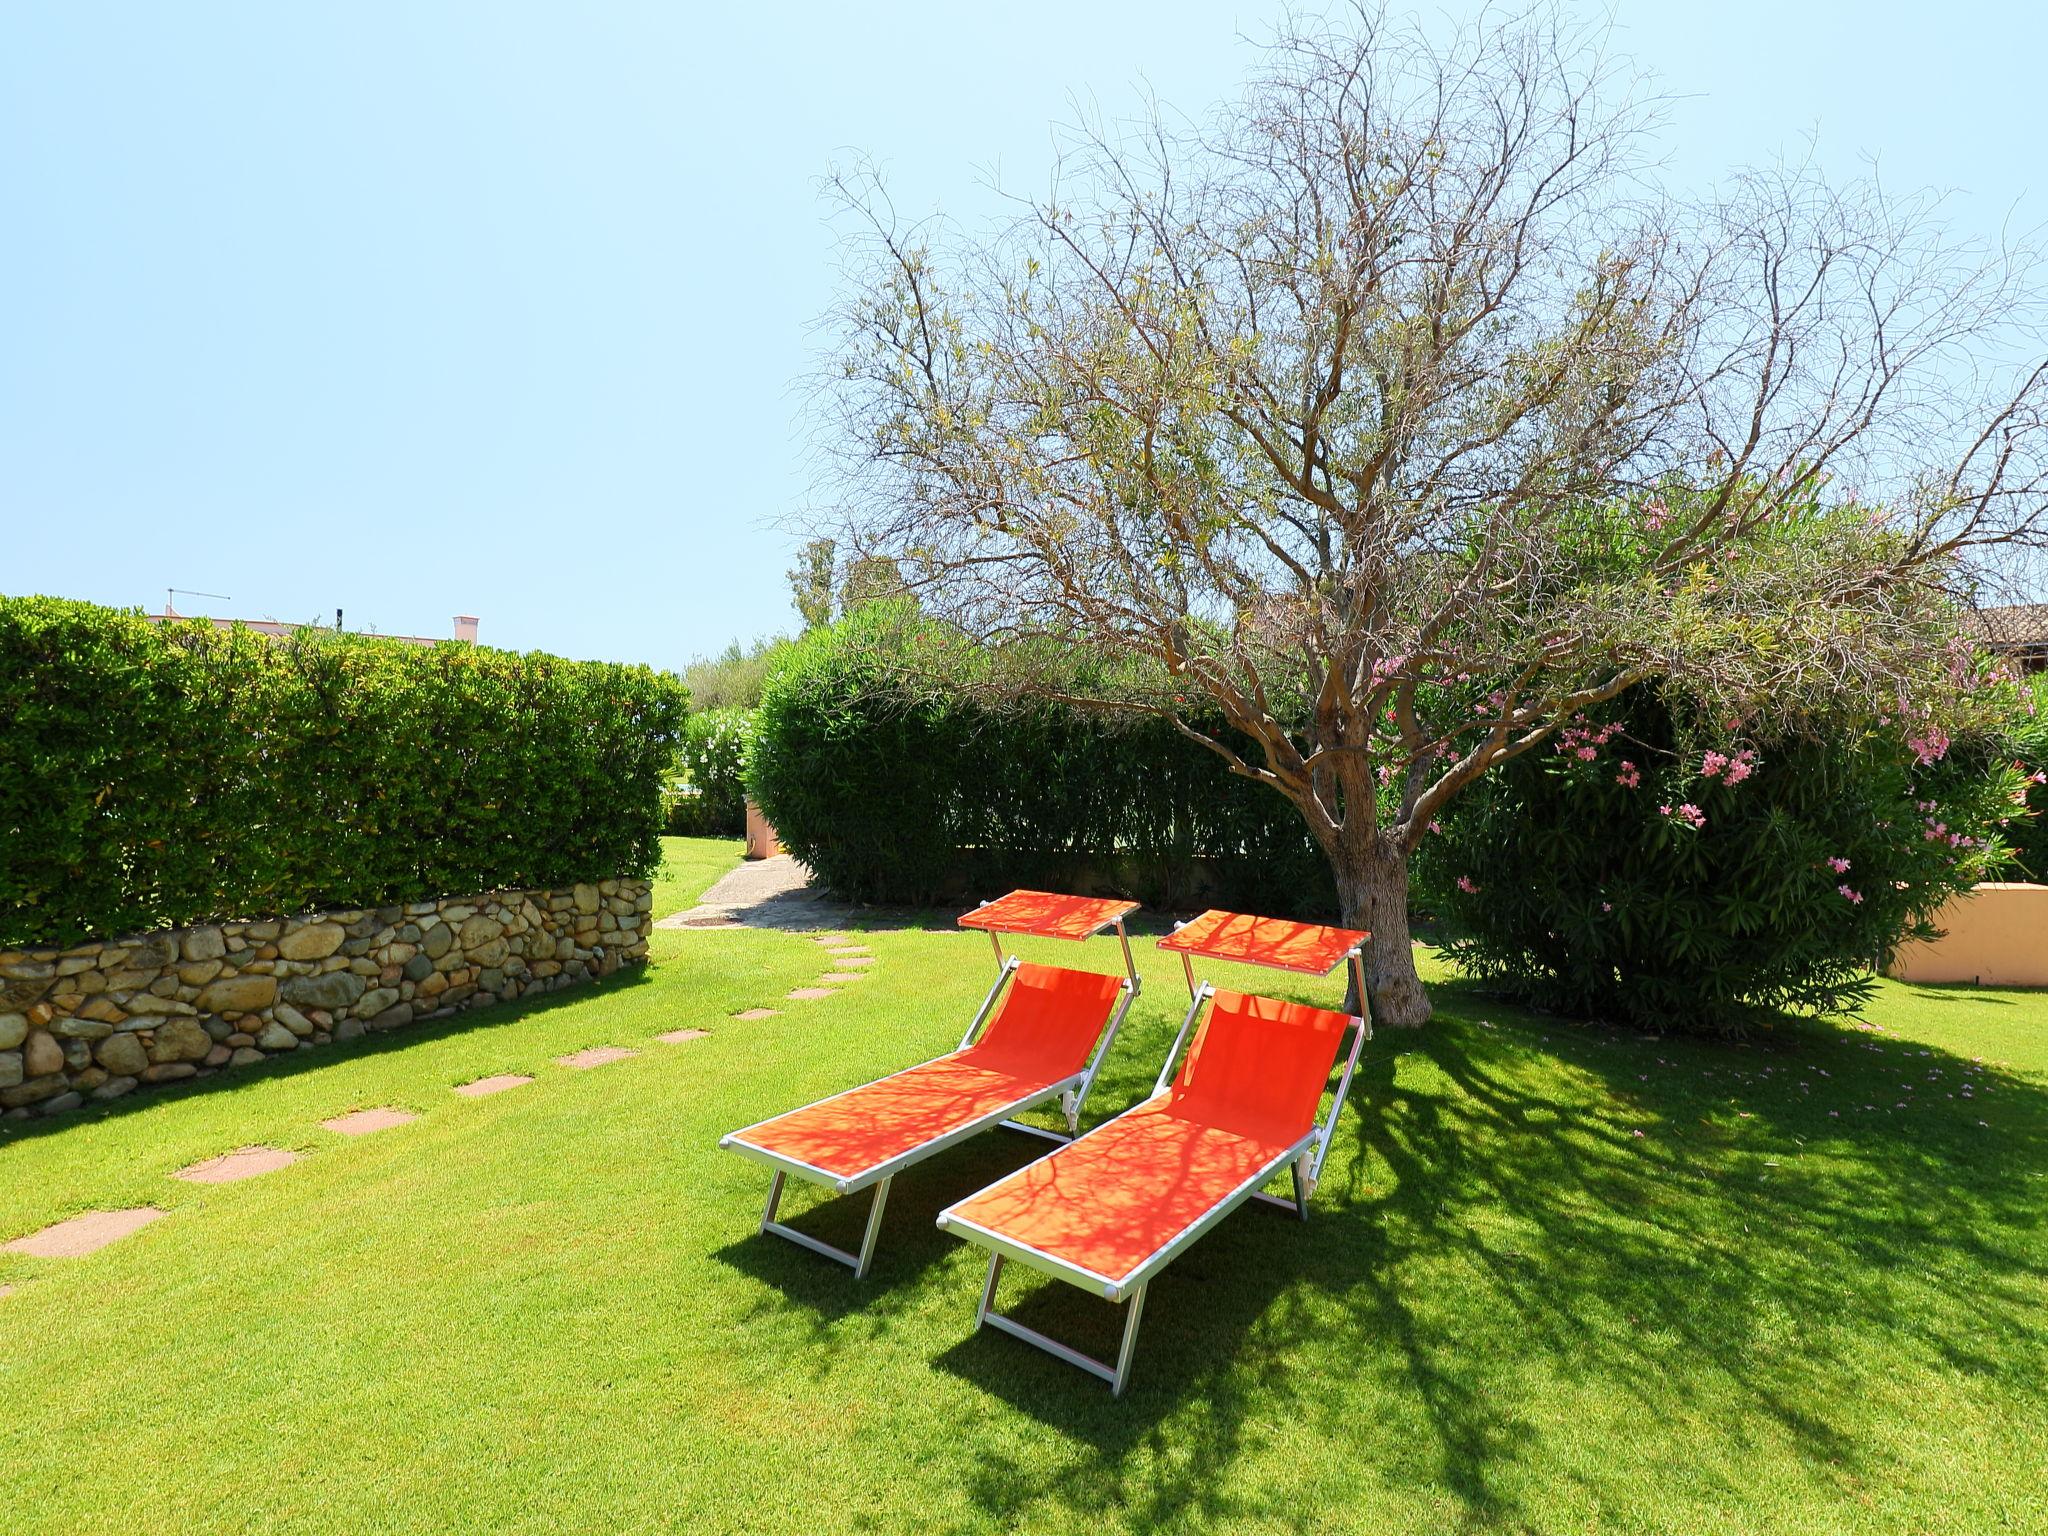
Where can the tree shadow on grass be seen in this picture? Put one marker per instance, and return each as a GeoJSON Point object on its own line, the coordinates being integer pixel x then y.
{"type": "Point", "coordinates": [909, 1247]}
{"type": "Point", "coordinates": [1719, 1247]}
{"type": "Point", "coordinates": [225, 1084]}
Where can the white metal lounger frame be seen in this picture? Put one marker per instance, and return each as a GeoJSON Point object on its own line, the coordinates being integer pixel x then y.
{"type": "Point", "coordinates": [1306, 1157]}
{"type": "Point", "coordinates": [1071, 1092]}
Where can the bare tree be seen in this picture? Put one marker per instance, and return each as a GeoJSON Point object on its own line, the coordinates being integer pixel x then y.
{"type": "Point", "coordinates": [1396, 414]}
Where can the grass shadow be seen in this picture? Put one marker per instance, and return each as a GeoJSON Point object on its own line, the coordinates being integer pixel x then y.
{"type": "Point", "coordinates": [224, 1084]}
{"type": "Point", "coordinates": [1526, 1207]}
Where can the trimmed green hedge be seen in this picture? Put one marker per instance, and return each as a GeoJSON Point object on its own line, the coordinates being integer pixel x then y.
{"type": "Point", "coordinates": [898, 794]}
{"type": "Point", "coordinates": [155, 775]}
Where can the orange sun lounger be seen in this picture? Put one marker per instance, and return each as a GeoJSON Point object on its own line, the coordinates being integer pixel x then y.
{"type": "Point", "coordinates": [1111, 1210]}
{"type": "Point", "coordinates": [1044, 1040]}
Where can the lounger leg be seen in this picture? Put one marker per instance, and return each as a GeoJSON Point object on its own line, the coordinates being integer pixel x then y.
{"type": "Point", "coordinates": [988, 1291]}
{"type": "Point", "coordinates": [1301, 1185]}
{"type": "Point", "coordinates": [867, 1243]}
{"type": "Point", "coordinates": [1136, 1310]}
{"type": "Point", "coordinates": [985, 1315]}
{"type": "Point", "coordinates": [857, 1262]}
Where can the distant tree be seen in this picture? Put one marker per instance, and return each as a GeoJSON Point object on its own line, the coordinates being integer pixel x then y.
{"type": "Point", "coordinates": [732, 679]}
{"type": "Point", "coordinates": [810, 583]}
{"type": "Point", "coordinates": [1397, 374]}
{"type": "Point", "coordinates": [869, 579]}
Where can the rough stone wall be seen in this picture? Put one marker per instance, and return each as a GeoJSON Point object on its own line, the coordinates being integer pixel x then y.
{"type": "Point", "coordinates": [102, 1019]}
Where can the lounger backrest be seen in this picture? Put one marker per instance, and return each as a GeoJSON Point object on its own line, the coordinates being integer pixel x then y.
{"type": "Point", "coordinates": [1258, 1066]}
{"type": "Point", "coordinates": [1048, 1022]}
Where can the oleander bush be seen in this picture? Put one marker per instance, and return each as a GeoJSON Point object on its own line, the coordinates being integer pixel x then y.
{"type": "Point", "coordinates": [2030, 833]}
{"type": "Point", "coordinates": [898, 790]}
{"type": "Point", "coordinates": [155, 775]}
{"type": "Point", "coordinates": [1633, 870]}
{"type": "Point", "coordinates": [716, 743]}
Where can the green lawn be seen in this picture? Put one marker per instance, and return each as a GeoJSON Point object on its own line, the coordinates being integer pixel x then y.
{"type": "Point", "coordinates": [1559, 1278]}
{"type": "Point", "coordinates": [689, 866]}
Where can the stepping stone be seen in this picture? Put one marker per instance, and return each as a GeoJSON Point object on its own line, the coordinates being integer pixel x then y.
{"type": "Point", "coordinates": [843, 976]}
{"type": "Point", "coordinates": [849, 949]}
{"type": "Point", "coordinates": [363, 1121]}
{"type": "Point", "coordinates": [832, 938]}
{"type": "Point", "coordinates": [678, 1036]}
{"type": "Point", "coordinates": [84, 1234]}
{"type": "Point", "coordinates": [233, 1167]}
{"type": "Point", "coordinates": [498, 1084]}
{"type": "Point", "coordinates": [758, 1013]}
{"type": "Point", "coordinates": [6, 1291]}
{"type": "Point", "coordinates": [857, 960]}
{"type": "Point", "coordinates": [596, 1056]}
{"type": "Point", "coordinates": [812, 994]}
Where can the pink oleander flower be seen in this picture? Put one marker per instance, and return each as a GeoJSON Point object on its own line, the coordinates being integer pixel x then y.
{"type": "Point", "coordinates": [1436, 826]}
{"type": "Point", "coordinates": [1712, 764]}
{"type": "Point", "coordinates": [1854, 898]}
{"type": "Point", "coordinates": [1630, 776]}
{"type": "Point", "coordinates": [1465, 884]}
{"type": "Point", "coordinates": [1839, 865]}
{"type": "Point", "coordinates": [1586, 754]}
{"type": "Point", "coordinates": [1930, 746]}
{"type": "Point", "coordinates": [1688, 813]}
{"type": "Point", "coordinates": [1606, 906]}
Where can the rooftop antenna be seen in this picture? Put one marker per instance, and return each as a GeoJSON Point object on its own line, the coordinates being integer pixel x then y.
{"type": "Point", "coordinates": [171, 592]}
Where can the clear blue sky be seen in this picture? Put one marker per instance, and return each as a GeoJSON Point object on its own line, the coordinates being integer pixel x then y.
{"type": "Point", "coordinates": [424, 308]}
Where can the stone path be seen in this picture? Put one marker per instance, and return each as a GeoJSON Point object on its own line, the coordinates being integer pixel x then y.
{"type": "Point", "coordinates": [363, 1121]}
{"type": "Point", "coordinates": [489, 1085]}
{"type": "Point", "coordinates": [233, 1167]}
{"type": "Point", "coordinates": [83, 1234]}
{"type": "Point", "coordinates": [595, 1056]}
{"type": "Point", "coordinates": [771, 893]}
{"type": "Point", "coordinates": [763, 893]}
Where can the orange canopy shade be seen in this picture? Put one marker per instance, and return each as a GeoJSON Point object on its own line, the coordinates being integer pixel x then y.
{"type": "Point", "coordinates": [1249, 1091]}
{"type": "Point", "coordinates": [1048, 1023]}
{"type": "Point", "coordinates": [1047, 914]}
{"type": "Point", "coordinates": [1271, 941]}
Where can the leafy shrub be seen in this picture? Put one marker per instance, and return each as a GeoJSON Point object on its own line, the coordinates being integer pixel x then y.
{"type": "Point", "coordinates": [896, 792]}
{"type": "Point", "coordinates": [1623, 872]}
{"type": "Point", "coordinates": [682, 810]}
{"type": "Point", "coordinates": [155, 775]}
{"type": "Point", "coordinates": [732, 679]}
{"type": "Point", "coordinates": [2030, 834]}
{"type": "Point", "coordinates": [715, 747]}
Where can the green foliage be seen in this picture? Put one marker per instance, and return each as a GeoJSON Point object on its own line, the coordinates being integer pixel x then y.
{"type": "Point", "coordinates": [1622, 872]}
{"type": "Point", "coordinates": [810, 583]}
{"type": "Point", "coordinates": [897, 792]}
{"type": "Point", "coordinates": [165, 774]}
{"type": "Point", "coordinates": [715, 748]}
{"type": "Point", "coordinates": [732, 679]}
{"type": "Point", "coordinates": [2030, 833]}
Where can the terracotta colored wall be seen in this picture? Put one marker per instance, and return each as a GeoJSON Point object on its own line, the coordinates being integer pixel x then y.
{"type": "Point", "coordinates": [1997, 936]}
{"type": "Point", "coordinates": [762, 843]}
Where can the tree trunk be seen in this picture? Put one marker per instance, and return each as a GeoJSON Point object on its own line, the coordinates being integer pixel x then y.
{"type": "Point", "coordinates": [1372, 886]}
